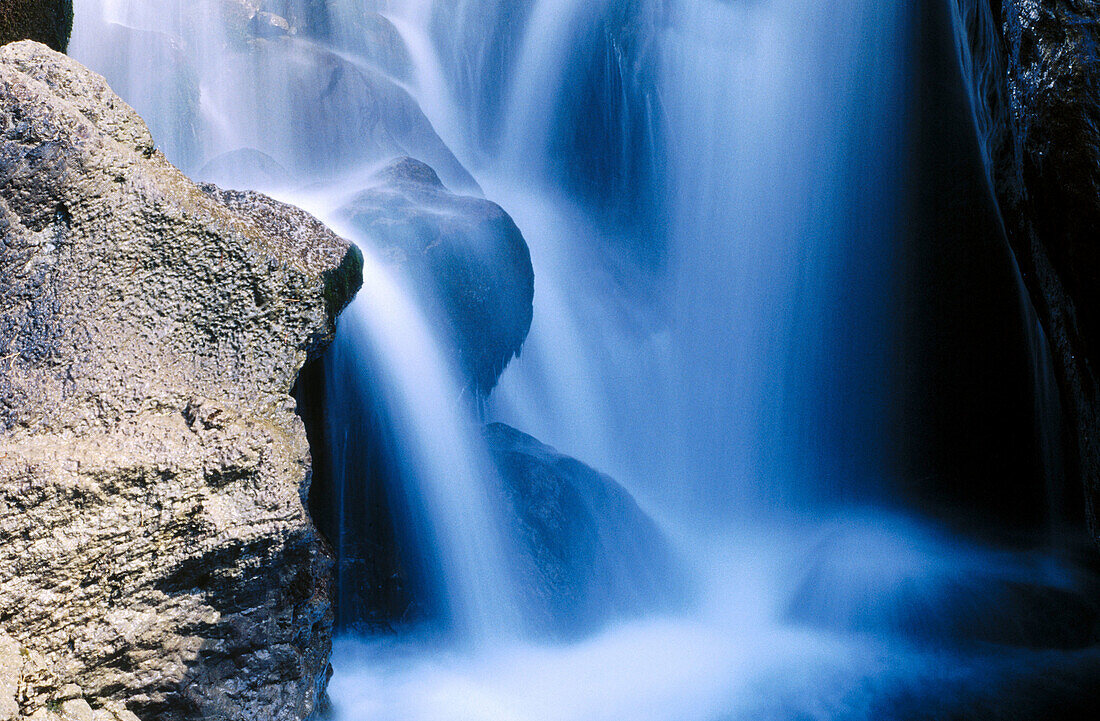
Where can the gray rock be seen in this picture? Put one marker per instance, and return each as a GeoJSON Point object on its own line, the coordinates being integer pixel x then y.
{"type": "Point", "coordinates": [30, 690]}
{"type": "Point", "coordinates": [46, 21]}
{"type": "Point", "coordinates": [590, 554]}
{"type": "Point", "coordinates": [154, 546]}
{"type": "Point", "coordinates": [464, 252]}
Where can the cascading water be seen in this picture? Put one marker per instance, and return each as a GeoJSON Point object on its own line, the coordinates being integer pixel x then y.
{"type": "Point", "coordinates": [715, 196]}
{"type": "Point", "coordinates": [383, 330]}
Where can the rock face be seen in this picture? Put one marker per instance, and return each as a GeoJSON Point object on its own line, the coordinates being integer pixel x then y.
{"type": "Point", "coordinates": [590, 552]}
{"type": "Point", "coordinates": [466, 249]}
{"type": "Point", "coordinates": [28, 689]}
{"type": "Point", "coordinates": [154, 546]}
{"type": "Point", "coordinates": [47, 21]}
{"type": "Point", "coordinates": [1043, 105]}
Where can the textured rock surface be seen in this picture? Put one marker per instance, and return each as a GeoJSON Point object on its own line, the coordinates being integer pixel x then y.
{"type": "Point", "coordinates": [466, 249]}
{"type": "Point", "coordinates": [30, 690]}
{"type": "Point", "coordinates": [47, 21]}
{"type": "Point", "coordinates": [590, 552]}
{"type": "Point", "coordinates": [1040, 76]}
{"type": "Point", "coordinates": [154, 546]}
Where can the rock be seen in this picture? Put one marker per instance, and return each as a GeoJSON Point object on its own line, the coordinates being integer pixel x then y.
{"type": "Point", "coordinates": [154, 546]}
{"type": "Point", "coordinates": [465, 253]}
{"type": "Point", "coordinates": [348, 114]}
{"type": "Point", "coordinates": [46, 21]}
{"type": "Point", "coordinates": [590, 552]}
{"type": "Point", "coordinates": [1035, 67]}
{"type": "Point", "coordinates": [30, 690]}
{"type": "Point", "coordinates": [269, 25]}
{"type": "Point", "coordinates": [350, 107]}
{"type": "Point", "coordinates": [356, 27]}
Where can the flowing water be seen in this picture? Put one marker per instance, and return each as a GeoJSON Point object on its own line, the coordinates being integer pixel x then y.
{"type": "Point", "coordinates": [716, 196]}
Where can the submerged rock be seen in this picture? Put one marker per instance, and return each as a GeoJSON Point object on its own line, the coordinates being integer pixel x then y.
{"type": "Point", "coordinates": [465, 250]}
{"type": "Point", "coordinates": [589, 553]}
{"type": "Point", "coordinates": [347, 113]}
{"type": "Point", "coordinates": [45, 21]}
{"type": "Point", "coordinates": [898, 579]}
{"type": "Point", "coordinates": [154, 546]}
{"type": "Point", "coordinates": [246, 167]}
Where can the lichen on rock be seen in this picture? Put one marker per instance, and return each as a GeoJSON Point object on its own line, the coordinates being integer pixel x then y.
{"type": "Point", "coordinates": [154, 545]}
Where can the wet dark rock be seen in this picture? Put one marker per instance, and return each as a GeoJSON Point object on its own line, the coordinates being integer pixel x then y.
{"type": "Point", "coordinates": [465, 253]}
{"type": "Point", "coordinates": [589, 553]}
{"type": "Point", "coordinates": [46, 21]}
{"type": "Point", "coordinates": [1037, 68]}
{"type": "Point", "coordinates": [1048, 183]}
{"type": "Point", "coordinates": [154, 545]}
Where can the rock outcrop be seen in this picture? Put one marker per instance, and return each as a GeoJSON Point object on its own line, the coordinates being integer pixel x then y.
{"type": "Point", "coordinates": [45, 21]}
{"type": "Point", "coordinates": [464, 253]}
{"type": "Point", "coordinates": [588, 552]}
{"type": "Point", "coordinates": [1037, 67]}
{"type": "Point", "coordinates": [154, 545]}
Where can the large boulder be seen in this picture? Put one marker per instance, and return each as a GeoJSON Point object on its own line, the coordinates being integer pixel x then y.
{"type": "Point", "coordinates": [47, 21]}
{"type": "Point", "coordinates": [1035, 66]}
{"type": "Point", "coordinates": [464, 253]}
{"type": "Point", "coordinates": [588, 553]}
{"type": "Point", "coordinates": [154, 545]}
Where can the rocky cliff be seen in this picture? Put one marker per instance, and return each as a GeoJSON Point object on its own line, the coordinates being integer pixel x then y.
{"type": "Point", "coordinates": [1036, 71]}
{"type": "Point", "coordinates": [154, 545]}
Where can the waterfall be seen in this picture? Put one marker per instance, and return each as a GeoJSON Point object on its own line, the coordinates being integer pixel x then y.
{"type": "Point", "coordinates": [440, 461]}
{"type": "Point", "coordinates": [753, 309]}
{"type": "Point", "coordinates": [243, 100]}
